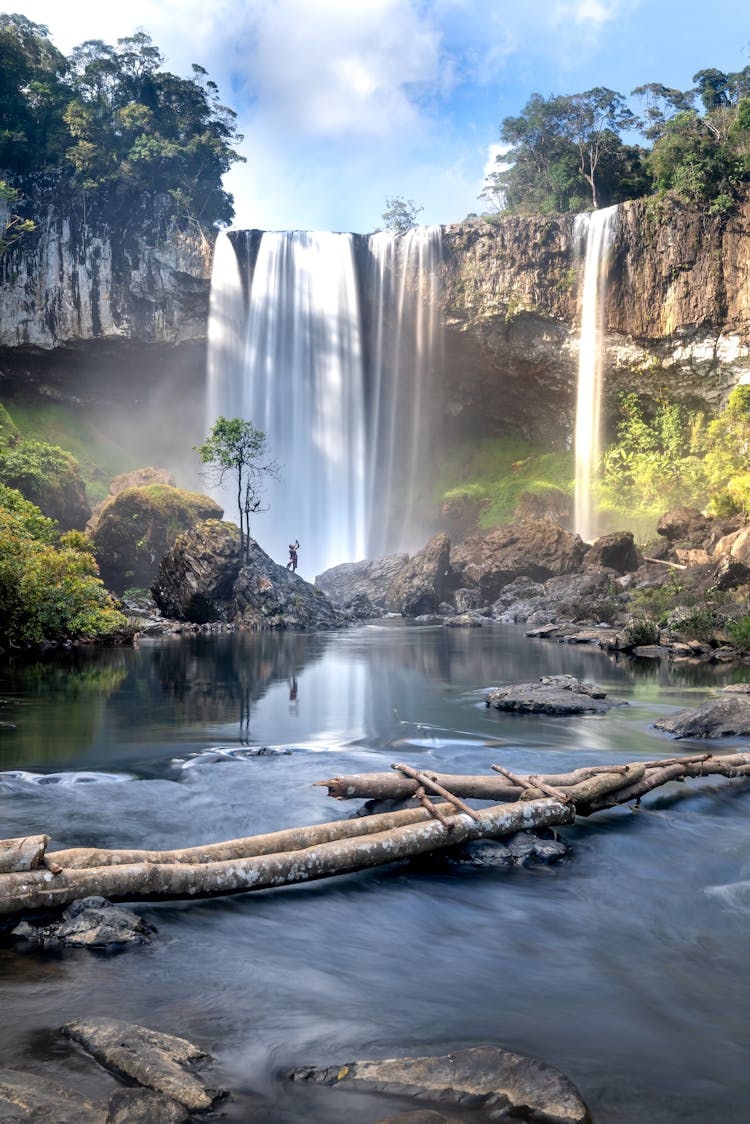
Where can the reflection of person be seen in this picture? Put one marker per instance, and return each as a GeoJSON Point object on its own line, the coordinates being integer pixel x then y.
{"type": "Point", "coordinates": [293, 702]}
{"type": "Point", "coordinates": [292, 563]}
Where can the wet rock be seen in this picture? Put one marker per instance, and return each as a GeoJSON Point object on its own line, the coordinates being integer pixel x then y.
{"type": "Point", "coordinates": [725, 716]}
{"type": "Point", "coordinates": [527, 847]}
{"type": "Point", "coordinates": [683, 523]}
{"type": "Point", "coordinates": [479, 853]}
{"type": "Point", "coordinates": [420, 1116]}
{"type": "Point", "coordinates": [508, 1084]}
{"type": "Point", "coordinates": [134, 530]}
{"type": "Point", "coordinates": [144, 1106]}
{"type": "Point", "coordinates": [552, 694]}
{"type": "Point", "coordinates": [463, 620]}
{"type": "Point", "coordinates": [371, 577]}
{"type": "Point", "coordinates": [89, 923]}
{"type": "Point", "coordinates": [156, 1061]}
{"type": "Point", "coordinates": [196, 577]}
{"type": "Point", "coordinates": [26, 1096]}
{"type": "Point", "coordinates": [534, 549]}
{"type": "Point", "coordinates": [616, 551]}
{"type": "Point", "coordinates": [423, 582]}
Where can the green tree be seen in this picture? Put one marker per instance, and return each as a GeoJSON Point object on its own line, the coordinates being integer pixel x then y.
{"type": "Point", "coordinates": [400, 214]}
{"type": "Point", "coordinates": [236, 451]}
{"type": "Point", "coordinates": [12, 225]}
{"type": "Point", "coordinates": [592, 121]}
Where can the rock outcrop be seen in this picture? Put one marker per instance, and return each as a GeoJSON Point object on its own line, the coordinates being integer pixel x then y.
{"type": "Point", "coordinates": [552, 694]}
{"type": "Point", "coordinates": [534, 549]}
{"type": "Point", "coordinates": [424, 582]}
{"type": "Point", "coordinates": [203, 578]}
{"type": "Point", "coordinates": [134, 529]}
{"type": "Point", "coordinates": [342, 584]}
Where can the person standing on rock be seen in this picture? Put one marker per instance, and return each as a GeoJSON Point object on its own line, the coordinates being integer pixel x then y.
{"type": "Point", "coordinates": [292, 563]}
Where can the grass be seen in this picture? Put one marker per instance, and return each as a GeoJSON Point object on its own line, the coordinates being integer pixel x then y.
{"type": "Point", "coordinates": [495, 471]}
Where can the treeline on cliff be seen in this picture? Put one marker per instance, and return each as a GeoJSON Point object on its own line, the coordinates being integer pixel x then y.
{"type": "Point", "coordinates": [574, 151]}
{"type": "Point", "coordinates": [111, 119]}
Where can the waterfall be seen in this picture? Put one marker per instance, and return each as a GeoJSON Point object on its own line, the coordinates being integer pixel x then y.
{"type": "Point", "coordinates": [596, 232]}
{"type": "Point", "coordinates": [329, 345]}
{"type": "Point", "coordinates": [402, 290]}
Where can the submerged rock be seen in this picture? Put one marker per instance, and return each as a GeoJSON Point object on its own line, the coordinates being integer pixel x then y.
{"type": "Point", "coordinates": [157, 1061]}
{"type": "Point", "coordinates": [723, 717]}
{"type": "Point", "coordinates": [26, 1096]}
{"type": "Point", "coordinates": [553, 694]}
{"type": "Point", "coordinates": [507, 1083]}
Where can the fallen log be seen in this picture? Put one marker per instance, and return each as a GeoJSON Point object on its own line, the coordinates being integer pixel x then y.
{"type": "Point", "coordinates": [40, 889]}
{"type": "Point", "coordinates": [24, 853]}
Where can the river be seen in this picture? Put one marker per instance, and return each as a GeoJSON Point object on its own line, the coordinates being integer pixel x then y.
{"type": "Point", "coordinates": [624, 966]}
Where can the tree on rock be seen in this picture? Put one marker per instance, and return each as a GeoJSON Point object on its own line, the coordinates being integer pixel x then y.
{"type": "Point", "coordinates": [235, 450]}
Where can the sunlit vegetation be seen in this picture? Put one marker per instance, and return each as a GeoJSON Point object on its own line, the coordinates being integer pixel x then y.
{"type": "Point", "coordinates": [665, 455]}
{"type": "Point", "coordinates": [49, 589]}
{"type": "Point", "coordinates": [110, 119]}
{"type": "Point", "coordinates": [494, 473]}
{"type": "Point", "coordinates": [571, 152]}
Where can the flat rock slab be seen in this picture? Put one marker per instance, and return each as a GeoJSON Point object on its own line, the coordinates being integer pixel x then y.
{"type": "Point", "coordinates": [25, 1096]}
{"type": "Point", "coordinates": [156, 1061]}
{"type": "Point", "coordinates": [553, 694]}
{"type": "Point", "coordinates": [723, 717]}
{"type": "Point", "coordinates": [500, 1081]}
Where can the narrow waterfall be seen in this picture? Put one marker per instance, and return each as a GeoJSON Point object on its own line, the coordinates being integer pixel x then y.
{"type": "Point", "coordinates": [300, 380]}
{"type": "Point", "coordinates": [401, 290]}
{"type": "Point", "coordinates": [595, 232]}
{"type": "Point", "coordinates": [330, 346]}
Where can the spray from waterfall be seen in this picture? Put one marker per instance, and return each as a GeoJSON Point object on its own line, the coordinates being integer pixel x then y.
{"type": "Point", "coordinates": [595, 232]}
{"type": "Point", "coordinates": [330, 345]}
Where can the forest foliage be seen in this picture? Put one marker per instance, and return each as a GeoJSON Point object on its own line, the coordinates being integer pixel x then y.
{"type": "Point", "coordinates": [110, 118]}
{"type": "Point", "coordinates": [576, 151]}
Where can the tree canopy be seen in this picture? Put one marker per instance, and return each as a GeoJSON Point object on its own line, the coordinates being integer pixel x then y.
{"type": "Point", "coordinates": [110, 118]}
{"type": "Point", "coordinates": [575, 151]}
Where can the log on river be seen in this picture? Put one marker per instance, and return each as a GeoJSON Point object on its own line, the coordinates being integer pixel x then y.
{"type": "Point", "coordinates": [33, 879]}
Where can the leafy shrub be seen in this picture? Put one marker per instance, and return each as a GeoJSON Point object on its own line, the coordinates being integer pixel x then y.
{"type": "Point", "coordinates": [642, 631]}
{"type": "Point", "coordinates": [47, 592]}
{"type": "Point", "coordinates": [739, 630]}
{"type": "Point", "coordinates": [698, 624]}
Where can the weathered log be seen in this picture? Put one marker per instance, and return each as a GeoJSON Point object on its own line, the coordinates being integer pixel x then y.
{"type": "Point", "coordinates": [425, 782]}
{"type": "Point", "coordinates": [24, 853]}
{"type": "Point", "coordinates": [145, 881]}
{"type": "Point", "coordinates": [388, 786]}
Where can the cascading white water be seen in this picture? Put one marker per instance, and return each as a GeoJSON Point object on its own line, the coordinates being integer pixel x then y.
{"type": "Point", "coordinates": [402, 287]}
{"type": "Point", "coordinates": [300, 380]}
{"type": "Point", "coordinates": [596, 232]}
{"type": "Point", "coordinates": [351, 431]}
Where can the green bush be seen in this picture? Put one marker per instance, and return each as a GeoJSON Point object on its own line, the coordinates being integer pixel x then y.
{"type": "Point", "coordinates": [47, 592]}
{"type": "Point", "coordinates": [739, 630]}
{"type": "Point", "coordinates": [642, 631]}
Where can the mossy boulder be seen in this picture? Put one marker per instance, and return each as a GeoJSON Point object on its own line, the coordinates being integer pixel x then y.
{"type": "Point", "coordinates": [44, 474]}
{"type": "Point", "coordinates": [135, 529]}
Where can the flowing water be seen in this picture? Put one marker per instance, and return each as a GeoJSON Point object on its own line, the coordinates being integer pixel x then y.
{"type": "Point", "coordinates": [595, 233]}
{"type": "Point", "coordinates": [331, 345]}
{"type": "Point", "coordinates": [624, 966]}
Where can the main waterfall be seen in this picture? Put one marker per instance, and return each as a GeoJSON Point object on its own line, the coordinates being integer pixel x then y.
{"type": "Point", "coordinates": [595, 232]}
{"type": "Point", "coordinates": [329, 344]}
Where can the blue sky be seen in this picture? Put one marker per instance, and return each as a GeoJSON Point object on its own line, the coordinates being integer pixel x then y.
{"type": "Point", "coordinates": [346, 102]}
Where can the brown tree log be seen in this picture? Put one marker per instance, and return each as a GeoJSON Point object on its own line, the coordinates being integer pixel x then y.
{"type": "Point", "coordinates": [23, 853]}
{"type": "Point", "coordinates": [163, 881]}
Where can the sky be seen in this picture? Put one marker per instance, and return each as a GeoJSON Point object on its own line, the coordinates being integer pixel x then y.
{"type": "Point", "coordinates": [346, 103]}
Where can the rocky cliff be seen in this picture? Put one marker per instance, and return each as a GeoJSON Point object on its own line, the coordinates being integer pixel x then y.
{"type": "Point", "coordinates": [97, 297]}
{"type": "Point", "coordinates": [677, 311]}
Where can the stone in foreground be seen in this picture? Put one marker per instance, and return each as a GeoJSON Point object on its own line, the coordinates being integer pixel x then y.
{"type": "Point", "coordinates": [723, 717]}
{"type": "Point", "coordinates": [502, 1082]}
{"type": "Point", "coordinates": [25, 1096]}
{"type": "Point", "coordinates": [553, 694]}
{"type": "Point", "coordinates": [157, 1061]}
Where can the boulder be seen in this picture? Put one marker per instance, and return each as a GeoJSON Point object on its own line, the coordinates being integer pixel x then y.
{"type": "Point", "coordinates": [48, 477]}
{"type": "Point", "coordinates": [740, 549]}
{"type": "Point", "coordinates": [683, 523]}
{"type": "Point", "coordinates": [372, 577]}
{"type": "Point", "coordinates": [138, 478]}
{"type": "Point", "coordinates": [508, 1084]}
{"type": "Point", "coordinates": [729, 573]}
{"type": "Point", "coordinates": [196, 576]}
{"type": "Point", "coordinates": [423, 582]}
{"type": "Point", "coordinates": [616, 551]}
{"type": "Point", "coordinates": [552, 694]}
{"type": "Point", "coordinates": [552, 504]}
{"type": "Point", "coordinates": [25, 1096]}
{"type": "Point", "coordinates": [533, 549]}
{"type": "Point", "coordinates": [89, 923]}
{"type": "Point", "coordinates": [722, 717]}
{"type": "Point", "coordinates": [156, 1061]}
{"type": "Point", "coordinates": [135, 528]}
{"type": "Point", "coordinates": [268, 596]}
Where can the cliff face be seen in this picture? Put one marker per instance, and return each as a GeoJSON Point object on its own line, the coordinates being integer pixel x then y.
{"type": "Point", "coordinates": [677, 312]}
